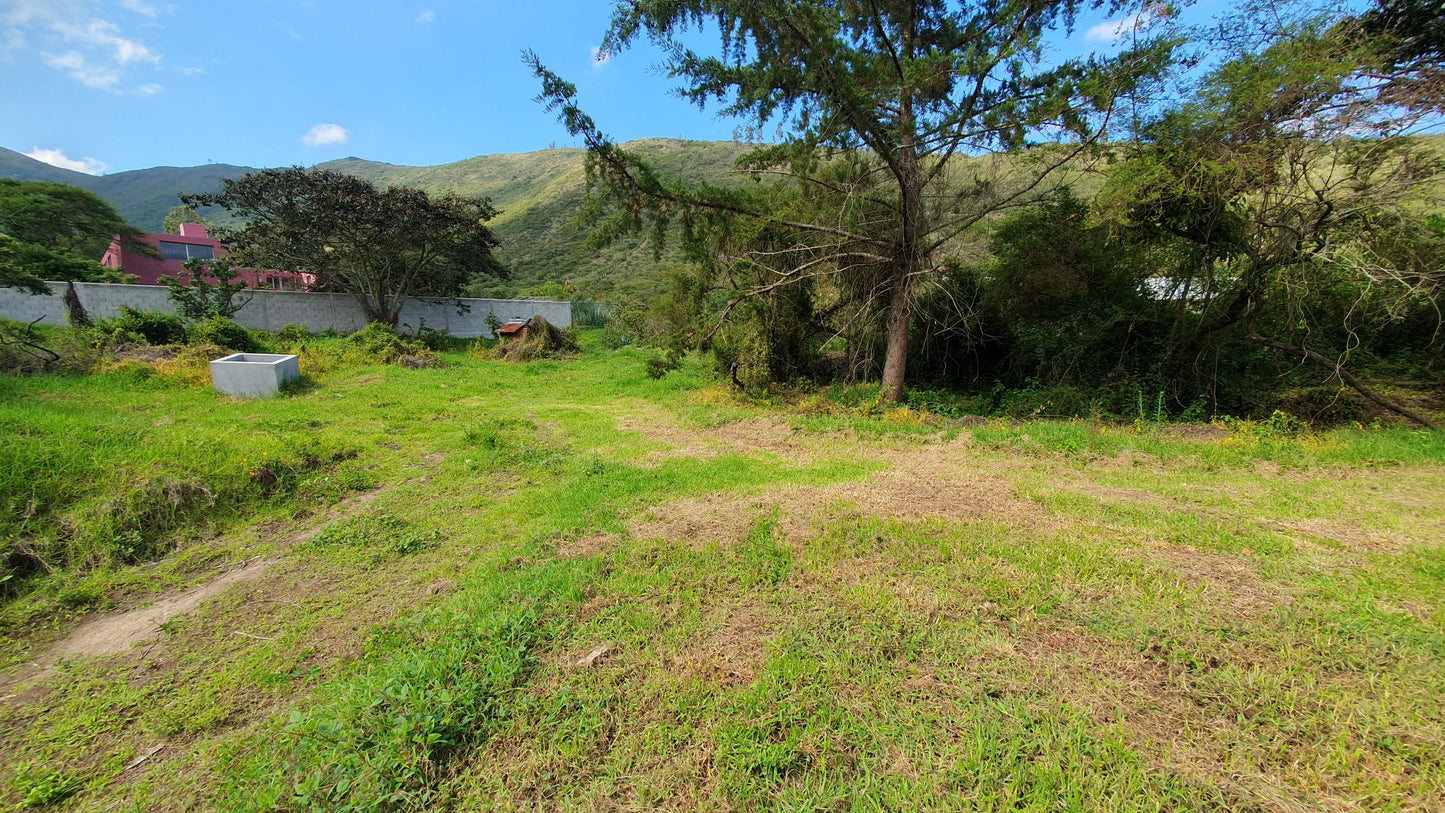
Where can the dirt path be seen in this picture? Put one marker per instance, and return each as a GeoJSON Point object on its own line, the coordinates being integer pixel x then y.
{"type": "Point", "coordinates": [114, 633]}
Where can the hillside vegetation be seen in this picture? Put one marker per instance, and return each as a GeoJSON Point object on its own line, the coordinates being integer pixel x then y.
{"type": "Point", "coordinates": [538, 192]}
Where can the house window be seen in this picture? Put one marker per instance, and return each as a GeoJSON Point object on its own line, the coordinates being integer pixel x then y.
{"type": "Point", "coordinates": [276, 283]}
{"type": "Point", "coordinates": [186, 251]}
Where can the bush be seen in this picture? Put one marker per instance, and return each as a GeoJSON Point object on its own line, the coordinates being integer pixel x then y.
{"type": "Point", "coordinates": [225, 333]}
{"type": "Point", "coordinates": [295, 333]}
{"type": "Point", "coordinates": [662, 364]}
{"type": "Point", "coordinates": [378, 342]}
{"type": "Point", "coordinates": [155, 327]}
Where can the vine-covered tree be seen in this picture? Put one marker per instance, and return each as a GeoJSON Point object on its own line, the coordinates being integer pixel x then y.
{"type": "Point", "coordinates": [1294, 182]}
{"type": "Point", "coordinates": [380, 245]}
{"type": "Point", "coordinates": [912, 94]}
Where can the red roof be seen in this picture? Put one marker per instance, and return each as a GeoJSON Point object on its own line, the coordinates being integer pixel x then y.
{"type": "Point", "coordinates": [511, 328]}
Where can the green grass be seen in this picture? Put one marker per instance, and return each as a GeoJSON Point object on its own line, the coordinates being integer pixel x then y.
{"type": "Point", "coordinates": [813, 606]}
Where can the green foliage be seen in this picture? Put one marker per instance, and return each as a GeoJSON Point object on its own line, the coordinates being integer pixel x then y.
{"type": "Point", "coordinates": [866, 149]}
{"type": "Point", "coordinates": [209, 290]}
{"type": "Point", "coordinates": [433, 686]}
{"type": "Point", "coordinates": [29, 266]}
{"type": "Point", "coordinates": [61, 218]}
{"type": "Point", "coordinates": [51, 231]}
{"type": "Point", "coordinates": [587, 314]}
{"type": "Point", "coordinates": [549, 290]}
{"type": "Point", "coordinates": [510, 443]}
{"type": "Point", "coordinates": [179, 214]}
{"type": "Point", "coordinates": [763, 559]}
{"type": "Point", "coordinates": [434, 339]}
{"type": "Point", "coordinates": [660, 364]}
{"type": "Point", "coordinates": [294, 333]}
{"type": "Point", "coordinates": [379, 342]}
{"type": "Point", "coordinates": [155, 327]}
{"type": "Point", "coordinates": [1297, 240]}
{"type": "Point", "coordinates": [42, 787]}
{"type": "Point", "coordinates": [847, 652]}
{"type": "Point", "coordinates": [224, 333]}
{"type": "Point", "coordinates": [378, 534]}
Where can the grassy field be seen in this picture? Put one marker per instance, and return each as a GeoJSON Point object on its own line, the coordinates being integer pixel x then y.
{"type": "Point", "coordinates": [564, 585]}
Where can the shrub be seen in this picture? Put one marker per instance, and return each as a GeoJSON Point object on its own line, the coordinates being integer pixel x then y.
{"type": "Point", "coordinates": [378, 342]}
{"type": "Point", "coordinates": [155, 327]}
{"type": "Point", "coordinates": [200, 298]}
{"type": "Point", "coordinates": [662, 364]}
{"type": "Point", "coordinates": [295, 333]}
{"type": "Point", "coordinates": [225, 333]}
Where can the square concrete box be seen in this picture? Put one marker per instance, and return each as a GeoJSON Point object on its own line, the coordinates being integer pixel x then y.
{"type": "Point", "coordinates": [253, 375]}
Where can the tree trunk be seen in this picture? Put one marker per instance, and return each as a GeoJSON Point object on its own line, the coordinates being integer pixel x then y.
{"type": "Point", "coordinates": [895, 360]}
{"type": "Point", "coordinates": [912, 229]}
{"type": "Point", "coordinates": [76, 310]}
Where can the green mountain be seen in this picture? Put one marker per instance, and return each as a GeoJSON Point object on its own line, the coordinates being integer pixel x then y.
{"type": "Point", "coordinates": [142, 196]}
{"type": "Point", "coordinates": [538, 193]}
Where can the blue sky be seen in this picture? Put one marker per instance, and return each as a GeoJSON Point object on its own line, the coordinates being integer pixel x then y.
{"type": "Point", "coordinates": [111, 85]}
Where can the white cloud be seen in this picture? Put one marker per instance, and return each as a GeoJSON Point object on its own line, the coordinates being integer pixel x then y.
{"type": "Point", "coordinates": [103, 35]}
{"type": "Point", "coordinates": [290, 31]}
{"type": "Point", "coordinates": [323, 135]}
{"type": "Point", "coordinates": [82, 70]}
{"type": "Point", "coordinates": [22, 12]}
{"type": "Point", "coordinates": [56, 158]}
{"type": "Point", "coordinates": [1110, 31]}
{"type": "Point", "coordinates": [139, 7]}
{"type": "Point", "coordinates": [599, 56]}
{"type": "Point", "coordinates": [190, 70]}
{"type": "Point", "coordinates": [150, 89]}
{"type": "Point", "coordinates": [75, 38]}
{"type": "Point", "coordinates": [427, 16]}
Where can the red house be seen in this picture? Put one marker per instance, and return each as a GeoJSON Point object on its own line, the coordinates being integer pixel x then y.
{"type": "Point", "coordinates": [191, 244]}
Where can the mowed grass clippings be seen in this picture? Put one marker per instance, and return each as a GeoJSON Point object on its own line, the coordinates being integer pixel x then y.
{"type": "Point", "coordinates": [565, 585]}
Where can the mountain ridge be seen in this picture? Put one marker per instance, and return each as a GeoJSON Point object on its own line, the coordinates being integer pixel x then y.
{"type": "Point", "coordinates": [538, 194]}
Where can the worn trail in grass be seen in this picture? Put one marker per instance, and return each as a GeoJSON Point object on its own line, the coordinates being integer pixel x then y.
{"type": "Point", "coordinates": [796, 609]}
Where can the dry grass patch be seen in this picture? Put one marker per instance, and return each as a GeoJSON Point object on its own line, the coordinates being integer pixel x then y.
{"type": "Point", "coordinates": [763, 434]}
{"type": "Point", "coordinates": [946, 481]}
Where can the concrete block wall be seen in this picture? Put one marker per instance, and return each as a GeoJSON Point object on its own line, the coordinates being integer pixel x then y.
{"type": "Point", "coordinates": [273, 310]}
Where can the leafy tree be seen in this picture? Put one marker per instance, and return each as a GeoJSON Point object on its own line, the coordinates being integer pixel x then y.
{"type": "Point", "coordinates": [199, 297]}
{"type": "Point", "coordinates": [1292, 187]}
{"type": "Point", "coordinates": [182, 214]}
{"type": "Point", "coordinates": [1409, 38]}
{"type": "Point", "coordinates": [28, 266]}
{"type": "Point", "coordinates": [60, 218]}
{"type": "Point", "coordinates": [907, 95]}
{"type": "Point", "coordinates": [380, 245]}
{"type": "Point", "coordinates": [51, 231]}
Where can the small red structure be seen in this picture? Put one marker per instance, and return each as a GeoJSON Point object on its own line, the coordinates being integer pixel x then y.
{"type": "Point", "coordinates": [193, 243]}
{"type": "Point", "coordinates": [515, 329]}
